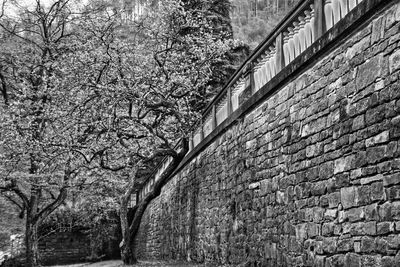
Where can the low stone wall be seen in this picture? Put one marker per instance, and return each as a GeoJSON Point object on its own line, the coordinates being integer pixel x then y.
{"type": "Point", "coordinates": [10, 225]}
{"type": "Point", "coordinates": [64, 248]}
{"type": "Point", "coordinates": [310, 177]}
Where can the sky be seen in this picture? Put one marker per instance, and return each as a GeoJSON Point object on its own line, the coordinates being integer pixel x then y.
{"type": "Point", "coordinates": [10, 7]}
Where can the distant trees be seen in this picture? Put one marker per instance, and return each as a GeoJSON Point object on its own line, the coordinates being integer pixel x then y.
{"type": "Point", "coordinates": [90, 97]}
{"type": "Point", "coordinates": [154, 90]}
{"type": "Point", "coordinates": [45, 75]}
{"type": "Point", "coordinates": [252, 20]}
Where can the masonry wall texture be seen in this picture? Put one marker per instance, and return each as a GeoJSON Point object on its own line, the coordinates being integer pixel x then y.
{"type": "Point", "coordinates": [64, 248]}
{"type": "Point", "coordinates": [309, 177]}
{"type": "Point", "coordinates": [10, 224]}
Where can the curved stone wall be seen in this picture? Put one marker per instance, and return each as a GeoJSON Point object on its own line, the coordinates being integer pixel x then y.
{"type": "Point", "coordinates": [308, 177]}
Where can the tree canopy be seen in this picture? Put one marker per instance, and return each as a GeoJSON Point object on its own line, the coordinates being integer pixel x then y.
{"type": "Point", "coordinates": [92, 98]}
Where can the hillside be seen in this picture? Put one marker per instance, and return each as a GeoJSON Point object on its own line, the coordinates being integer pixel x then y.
{"type": "Point", "coordinates": [252, 20]}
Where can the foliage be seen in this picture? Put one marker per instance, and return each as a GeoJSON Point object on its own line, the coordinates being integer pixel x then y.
{"type": "Point", "coordinates": [92, 101]}
{"type": "Point", "coordinates": [42, 135]}
{"type": "Point", "coordinates": [253, 20]}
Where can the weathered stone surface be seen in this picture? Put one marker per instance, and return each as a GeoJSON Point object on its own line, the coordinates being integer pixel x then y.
{"type": "Point", "coordinates": [391, 179]}
{"type": "Point", "coordinates": [378, 139]}
{"type": "Point", "coordinates": [348, 197]}
{"type": "Point", "coordinates": [324, 193]}
{"type": "Point", "coordinates": [394, 61]}
{"type": "Point", "coordinates": [369, 180]}
{"type": "Point", "coordinates": [369, 72]}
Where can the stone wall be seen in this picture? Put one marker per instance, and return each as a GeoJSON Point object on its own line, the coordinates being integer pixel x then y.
{"type": "Point", "coordinates": [311, 176]}
{"type": "Point", "coordinates": [10, 224]}
{"type": "Point", "coordinates": [64, 248]}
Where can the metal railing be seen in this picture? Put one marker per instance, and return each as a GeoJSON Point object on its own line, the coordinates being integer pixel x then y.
{"type": "Point", "coordinates": [305, 24]}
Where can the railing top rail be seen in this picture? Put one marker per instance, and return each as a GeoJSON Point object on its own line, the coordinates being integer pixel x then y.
{"type": "Point", "coordinates": [300, 7]}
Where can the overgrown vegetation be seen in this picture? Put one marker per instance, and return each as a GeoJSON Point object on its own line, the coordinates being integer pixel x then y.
{"type": "Point", "coordinates": [253, 20]}
{"type": "Point", "coordinates": [91, 101]}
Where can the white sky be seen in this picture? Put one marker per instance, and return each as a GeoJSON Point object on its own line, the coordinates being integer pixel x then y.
{"type": "Point", "coordinates": [10, 7]}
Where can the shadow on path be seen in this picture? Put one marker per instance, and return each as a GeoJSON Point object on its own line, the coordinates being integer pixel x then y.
{"type": "Point", "coordinates": [140, 264]}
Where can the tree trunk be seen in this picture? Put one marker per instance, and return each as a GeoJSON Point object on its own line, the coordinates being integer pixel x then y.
{"type": "Point", "coordinates": [141, 207]}
{"type": "Point", "coordinates": [127, 254]}
{"type": "Point", "coordinates": [31, 243]}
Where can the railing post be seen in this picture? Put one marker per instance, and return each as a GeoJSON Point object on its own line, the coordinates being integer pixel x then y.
{"type": "Point", "coordinates": [229, 101]}
{"type": "Point", "coordinates": [319, 24]}
{"type": "Point", "coordinates": [213, 118]}
{"type": "Point", "coordinates": [191, 142]}
{"type": "Point", "coordinates": [280, 59]}
{"type": "Point", "coordinates": [251, 72]}
{"type": "Point", "coordinates": [201, 130]}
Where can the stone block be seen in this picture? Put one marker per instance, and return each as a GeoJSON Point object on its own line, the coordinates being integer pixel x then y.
{"type": "Point", "coordinates": [394, 61]}
{"type": "Point", "coordinates": [357, 173]}
{"type": "Point", "coordinates": [329, 244]}
{"type": "Point", "coordinates": [348, 197]}
{"type": "Point", "coordinates": [371, 260]}
{"type": "Point", "coordinates": [376, 115]}
{"type": "Point", "coordinates": [334, 199]}
{"type": "Point", "coordinates": [391, 179]}
{"type": "Point", "coordinates": [345, 245]}
{"type": "Point", "coordinates": [370, 71]}
{"type": "Point", "coordinates": [375, 154]}
{"type": "Point", "coordinates": [344, 164]}
{"type": "Point", "coordinates": [393, 241]}
{"type": "Point", "coordinates": [363, 195]}
{"type": "Point", "coordinates": [326, 170]}
{"type": "Point", "coordinates": [357, 246]}
{"type": "Point", "coordinates": [327, 229]}
{"type": "Point", "coordinates": [367, 245]}
{"type": "Point", "coordinates": [341, 217]}
{"type": "Point", "coordinates": [385, 211]}
{"type": "Point", "coordinates": [255, 185]}
{"type": "Point", "coordinates": [378, 29]}
{"type": "Point", "coordinates": [377, 139]}
{"type": "Point", "coordinates": [358, 47]}
{"type": "Point", "coordinates": [335, 260]}
{"type": "Point", "coordinates": [342, 180]}
{"type": "Point", "coordinates": [313, 230]}
{"type": "Point", "coordinates": [319, 261]}
{"type": "Point", "coordinates": [265, 187]}
{"type": "Point", "coordinates": [382, 245]}
{"type": "Point", "coordinates": [353, 260]}
{"type": "Point", "coordinates": [361, 159]}
{"type": "Point", "coordinates": [397, 226]}
{"type": "Point", "coordinates": [395, 210]}
{"type": "Point", "coordinates": [384, 228]}
{"type": "Point", "coordinates": [370, 228]}
{"type": "Point", "coordinates": [313, 174]}
{"type": "Point", "coordinates": [371, 212]}
{"type": "Point", "coordinates": [318, 188]}
{"type": "Point", "coordinates": [354, 229]}
{"type": "Point", "coordinates": [369, 180]}
{"type": "Point", "coordinates": [318, 214]}
{"type": "Point", "coordinates": [393, 193]}
{"type": "Point", "coordinates": [354, 214]}
{"type": "Point", "coordinates": [338, 229]}
{"type": "Point", "coordinates": [377, 192]}
{"type": "Point", "coordinates": [388, 261]}
{"type": "Point", "coordinates": [358, 122]}
{"type": "Point", "coordinates": [301, 231]}
{"type": "Point", "coordinates": [330, 214]}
